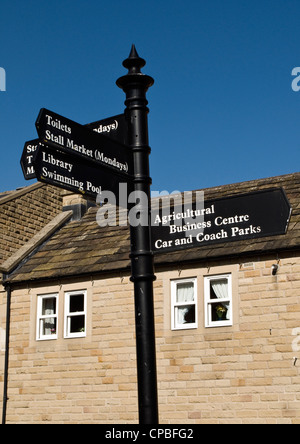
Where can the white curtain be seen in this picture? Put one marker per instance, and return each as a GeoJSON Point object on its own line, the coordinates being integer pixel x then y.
{"type": "Point", "coordinates": [185, 293]}
{"type": "Point", "coordinates": [49, 309]}
{"type": "Point", "coordinates": [220, 287]}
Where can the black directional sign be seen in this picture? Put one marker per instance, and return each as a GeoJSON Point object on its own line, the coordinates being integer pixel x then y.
{"type": "Point", "coordinates": [73, 138]}
{"type": "Point", "coordinates": [27, 159]}
{"type": "Point", "coordinates": [115, 128]}
{"type": "Point", "coordinates": [77, 175]}
{"type": "Point", "coordinates": [229, 219]}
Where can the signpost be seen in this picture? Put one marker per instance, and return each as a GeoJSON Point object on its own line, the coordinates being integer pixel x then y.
{"type": "Point", "coordinates": [113, 155]}
{"type": "Point", "coordinates": [135, 85]}
{"type": "Point", "coordinates": [229, 219]}
{"type": "Point", "coordinates": [83, 159]}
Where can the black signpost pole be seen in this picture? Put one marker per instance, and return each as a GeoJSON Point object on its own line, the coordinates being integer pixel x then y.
{"type": "Point", "coordinates": [135, 85]}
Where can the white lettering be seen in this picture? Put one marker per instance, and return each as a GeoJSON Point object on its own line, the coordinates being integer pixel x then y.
{"type": "Point", "coordinates": [106, 215]}
{"type": "Point", "coordinates": [212, 237]}
{"type": "Point", "coordinates": [124, 434]}
{"type": "Point", "coordinates": [79, 148]}
{"type": "Point", "coordinates": [295, 82]}
{"type": "Point", "coordinates": [236, 231]}
{"type": "Point", "coordinates": [138, 215]}
{"type": "Point", "coordinates": [106, 128]}
{"type": "Point", "coordinates": [92, 188]}
{"type": "Point", "coordinates": [231, 220]}
{"type": "Point", "coordinates": [184, 241]}
{"type": "Point", "coordinates": [57, 124]}
{"type": "Point", "coordinates": [2, 79]}
{"type": "Point", "coordinates": [30, 170]}
{"type": "Point", "coordinates": [296, 341]}
{"type": "Point", "coordinates": [53, 175]}
{"type": "Point", "coordinates": [31, 148]}
{"type": "Point", "coordinates": [112, 162]}
{"type": "Point", "coordinates": [163, 244]}
{"type": "Point", "coordinates": [49, 158]}
{"type": "Point", "coordinates": [55, 139]}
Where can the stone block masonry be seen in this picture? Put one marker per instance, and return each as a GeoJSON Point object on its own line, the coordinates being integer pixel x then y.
{"type": "Point", "coordinates": [240, 374]}
{"type": "Point", "coordinates": [23, 213]}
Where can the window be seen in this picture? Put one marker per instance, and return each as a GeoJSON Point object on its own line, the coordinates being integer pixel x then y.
{"type": "Point", "coordinates": [184, 304]}
{"type": "Point", "coordinates": [47, 317]}
{"type": "Point", "coordinates": [75, 314]}
{"type": "Point", "coordinates": [218, 301]}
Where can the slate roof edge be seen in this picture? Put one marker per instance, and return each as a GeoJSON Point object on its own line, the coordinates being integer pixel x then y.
{"type": "Point", "coordinates": [12, 262]}
{"type": "Point", "coordinates": [102, 268]}
{"type": "Point", "coordinates": [158, 266]}
{"type": "Point", "coordinates": [20, 192]}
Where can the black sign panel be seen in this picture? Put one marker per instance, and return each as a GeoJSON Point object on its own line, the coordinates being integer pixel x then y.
{"type": "Point", "coordinates": [71, 137]}
{"type": "Point", "coordinates": [236, 218]}
{"type": "Point", "coordinates": [27, 159]}
{"type": "Point", "coordinates": [113, 127]}
{"type": "Point", "coordinates": [74, 174]}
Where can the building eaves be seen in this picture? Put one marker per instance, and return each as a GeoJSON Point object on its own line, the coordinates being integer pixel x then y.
{"type": "Point", "coordinates": [10, 264]}
{"type": "Point", "coordinates": [14, 194]}
{"type": "Point", "coordinates": [82, 247]}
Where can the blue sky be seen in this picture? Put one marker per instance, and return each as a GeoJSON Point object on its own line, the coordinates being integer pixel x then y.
{"type": "Point", "coordinates": [222, 109]}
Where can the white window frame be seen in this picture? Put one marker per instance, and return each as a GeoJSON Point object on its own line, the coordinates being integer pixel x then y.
{"type": "Point", "coordinates": [175, 305]}
{"type": "Point", "coordinates": [69, 315]}
{"type": "Point", "coordinates": [41, 317]}
{"type": "Point", "coordinates": [209, 323]}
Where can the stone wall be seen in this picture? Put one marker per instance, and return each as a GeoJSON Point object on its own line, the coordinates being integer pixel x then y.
{"type": "Point", "coordinates": [244, 373]}
{"type": "Point", "coordinates": [24, 213]}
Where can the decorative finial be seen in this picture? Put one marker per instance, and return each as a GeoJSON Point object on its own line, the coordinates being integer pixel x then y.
{"type": "Point", "coordinates": [134, 63]}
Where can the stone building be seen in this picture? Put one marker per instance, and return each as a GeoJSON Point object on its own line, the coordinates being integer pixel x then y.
{"type": "Point", "coordinates": [23, 214]}
{"type": "Point", "coordinates": [227, 322]}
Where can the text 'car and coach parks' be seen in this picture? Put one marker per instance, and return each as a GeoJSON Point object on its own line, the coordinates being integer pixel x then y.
{"type": "Point", "coordinates": [258, 214]}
